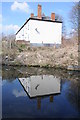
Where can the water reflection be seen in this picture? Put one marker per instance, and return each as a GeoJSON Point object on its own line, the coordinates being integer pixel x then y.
{"type": "Point", "coordinates": [18, 93]}
{"type": "Point", "coordinates": [54, 93]}
{"type": "Point", "coordinates": [41, 85]}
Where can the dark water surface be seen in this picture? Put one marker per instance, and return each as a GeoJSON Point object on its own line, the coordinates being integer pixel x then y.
{"type": "Point", "coordinates": [40, 93]}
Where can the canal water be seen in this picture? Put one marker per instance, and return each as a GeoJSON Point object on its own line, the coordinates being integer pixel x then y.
{"type": "Point", "coordinates": [40, 93]}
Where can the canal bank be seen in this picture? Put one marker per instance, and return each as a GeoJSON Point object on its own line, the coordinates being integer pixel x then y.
{"type": "Point", "coordinates": [63, 57]}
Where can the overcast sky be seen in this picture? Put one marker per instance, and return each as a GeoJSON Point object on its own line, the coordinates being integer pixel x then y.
{"type": "Point", "coordinates": [14, 14]}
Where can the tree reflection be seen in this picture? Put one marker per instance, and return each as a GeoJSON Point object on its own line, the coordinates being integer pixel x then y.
{"type": "Point", "coordinates": [72, 93]}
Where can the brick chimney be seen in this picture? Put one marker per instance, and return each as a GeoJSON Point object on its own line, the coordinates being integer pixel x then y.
{"type": "Point", "coordinates": [32, 15]}
{"type": "Point", "coordinates": [53, 16]}
{"type": "Point", "coordinates": [39, 11]}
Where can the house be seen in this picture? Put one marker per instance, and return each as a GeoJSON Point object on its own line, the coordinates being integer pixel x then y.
{"type": "Point", "coordinates": [40, 29]}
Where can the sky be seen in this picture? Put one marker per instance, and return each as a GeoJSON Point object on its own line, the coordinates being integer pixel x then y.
{"type": "Point", "coordinates": [14, 14]}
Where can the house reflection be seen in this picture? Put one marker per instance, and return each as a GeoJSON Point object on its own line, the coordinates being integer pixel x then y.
{"type": "Point", "coordinates": [41, 86]}
{"type": "Point", "coordinates": [51, 98]}
{"type": "Point", "coordinates": [39, 102]}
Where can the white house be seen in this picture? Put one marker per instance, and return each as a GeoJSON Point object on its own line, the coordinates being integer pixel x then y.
{"type": "Point", "coordinates": [40, 29]}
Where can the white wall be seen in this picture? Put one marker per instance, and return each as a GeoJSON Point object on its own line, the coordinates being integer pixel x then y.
{"type": "Point", "coordinates": [19, 36]}
{"type": "Point", "coordinates": [47, 32]}
{"type": "Point", "coordinates": [23, 33]}
{"type": "Point", "coordinates": [37, 31]}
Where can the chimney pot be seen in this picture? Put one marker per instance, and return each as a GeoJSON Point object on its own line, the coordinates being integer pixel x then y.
{"type": "Point", "coordinates": [39, 11]}
{"type": "Point", "coordinates": [53, 16]}
{"type": "Point", "coordinates": [32, 15]}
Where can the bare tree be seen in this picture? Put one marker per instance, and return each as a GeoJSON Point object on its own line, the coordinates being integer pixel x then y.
{"type": "Point", "coordinates": [75, 20]}
{"type": "Point", "coordinates": [79, 24]}
{"type": "Point", "coordinates": [74, 16]}
{"type": "Point", "coordinates": [60, 18]}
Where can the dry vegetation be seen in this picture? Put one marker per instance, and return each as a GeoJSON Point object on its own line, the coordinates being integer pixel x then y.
{"type": "Point", "coordinates": [66, 56]}
{"type": "Point", "coordinates": [49, 56]}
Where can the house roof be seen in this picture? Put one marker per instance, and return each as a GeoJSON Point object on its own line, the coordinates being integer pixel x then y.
{"type": "Point", "coordinates": [46, 20]}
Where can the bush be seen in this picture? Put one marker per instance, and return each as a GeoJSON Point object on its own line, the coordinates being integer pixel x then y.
{"type": "Point", "coordinates": [23, 46]}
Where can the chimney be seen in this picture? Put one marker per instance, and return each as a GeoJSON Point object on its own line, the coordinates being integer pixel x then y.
{"type": "Point", "coordinates": [53, 16]}
{"type": "Point", "coordinates": [32, 15]}
{"type": "Point", "coordinates": [39, 11]}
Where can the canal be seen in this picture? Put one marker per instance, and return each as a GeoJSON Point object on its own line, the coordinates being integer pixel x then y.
{"type": "Point", "coordinates": [40, 93]}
